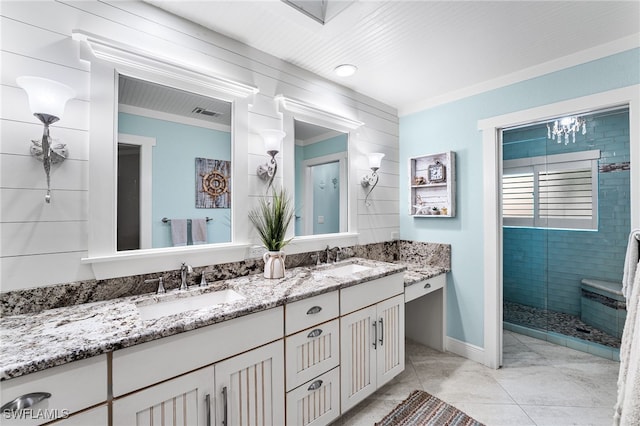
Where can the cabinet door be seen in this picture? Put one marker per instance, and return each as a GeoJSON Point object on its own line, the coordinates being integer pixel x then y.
{"type": "Point", "coordinates": [250, 387]}
{"type": "Point", "coordinates": [357, 356]}
{"type": "Point", "coordinates": [185, 400]}
{"type": "Point", "coordinates": [390, 347]}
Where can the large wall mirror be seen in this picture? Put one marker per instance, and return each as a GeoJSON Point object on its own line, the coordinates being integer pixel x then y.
{"type": "Point", "coordinates": [166, 129]}
{"type": "Point", "coordinates": [174, 167]}
{"type": "Point", "coordinates": [322, 143]}
{"type": "Point", "coordinates": [321, 183]}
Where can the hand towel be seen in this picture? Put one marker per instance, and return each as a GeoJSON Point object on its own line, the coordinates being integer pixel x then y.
{"type": "Point", "coordinates": [199, 231]}
{"type": "Point", "coordinates": [627, 409]}
{"type": "Point", "coordinates": [179, 232]}
{"type": "Point", "coordinates": [630, 261]}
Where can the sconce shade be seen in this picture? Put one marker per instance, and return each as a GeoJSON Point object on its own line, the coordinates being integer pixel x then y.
{"type": "Point", "coordinates": [272, 139]}
{"type": "Point", "coordinates": [375, 158]}
{"type": "Point", "coordinates": [46, 96]}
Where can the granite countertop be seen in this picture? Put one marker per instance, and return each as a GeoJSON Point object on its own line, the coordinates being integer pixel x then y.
{"type": "Point", "coordinates": [419, 272]}
{"type": "Point", "coordinates": [34, 342]}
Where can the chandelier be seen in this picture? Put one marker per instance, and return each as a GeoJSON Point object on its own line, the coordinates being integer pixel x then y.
{"type": "Point", "coordinates": [568, 125]}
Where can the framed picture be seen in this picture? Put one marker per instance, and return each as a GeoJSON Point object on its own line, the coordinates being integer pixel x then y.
{"type": "Point", "coordinates": [213, 184]}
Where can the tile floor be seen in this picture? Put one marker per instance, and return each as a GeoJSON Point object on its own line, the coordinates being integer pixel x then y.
{"type": "Point", "coordinates": [539, 384]}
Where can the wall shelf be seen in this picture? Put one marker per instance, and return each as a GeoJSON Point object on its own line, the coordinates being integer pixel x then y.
{"type": "Point", "coordinates": [432, 185]}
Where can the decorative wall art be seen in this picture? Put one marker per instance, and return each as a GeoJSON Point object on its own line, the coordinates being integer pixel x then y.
{"type": "Point", "coordinates": [213, 184]}
{"type": "Point", "coordinates": [432, 185]}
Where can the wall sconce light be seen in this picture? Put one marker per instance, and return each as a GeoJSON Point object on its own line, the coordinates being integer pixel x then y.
{"type": "Point", "coordinates": [375, 158]}
{"type": "Point", "coordinates": [47, 99]}
{"type": "Point", "coordinates": [272, 140]}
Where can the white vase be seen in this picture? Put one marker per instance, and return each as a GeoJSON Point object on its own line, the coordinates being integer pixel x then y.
{"type": "Point", "coordinates": [274, 264]}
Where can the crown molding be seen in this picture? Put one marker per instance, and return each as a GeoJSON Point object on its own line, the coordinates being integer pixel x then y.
{"type": "Point", "coordinates": [144, 61]}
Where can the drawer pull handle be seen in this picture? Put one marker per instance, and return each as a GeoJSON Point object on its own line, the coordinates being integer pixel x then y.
{"type": "Point", "coordinates": [375, 335]}
{"type": "Point", "coordinates": [381, 332]}
{"type": "Point", "coordinates": [207, 401]}
{"type": "Point", "coordinates": [315, 385]}
{"type": "Point", "coordinates": [427, 285]}
{"type": "Point", "coordinates": [25, 401]}
{"type": "Point", "coordinates": [314, 333]}
{"type": "Point", "coordinates": [225, 421]}
{"type": "Point", "coordinates": [314, 310]}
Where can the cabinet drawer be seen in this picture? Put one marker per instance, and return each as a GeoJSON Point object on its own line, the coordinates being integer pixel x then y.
{"type": "Point", "coordinates": [422, 288]}
{"type": "Point", "coordinates": [148, 363]}
{"type": "Point", "coordinates": [370, 293]}
{"type": "Point", "coordinates": [317, 402]}
{"type": "Point", "coordinates": [308, 312]}
{"type": "Point", "coordinates": [312, 352]}
{"type": "Point", "coordinates": [73, 387]}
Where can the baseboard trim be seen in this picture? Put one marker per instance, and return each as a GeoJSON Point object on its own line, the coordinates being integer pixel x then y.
{"type": "Point", "coordinates": [466, 350]}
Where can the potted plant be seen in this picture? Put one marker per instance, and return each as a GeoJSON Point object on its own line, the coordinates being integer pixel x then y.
{"type": "Point", "coordinates": [271, 219]}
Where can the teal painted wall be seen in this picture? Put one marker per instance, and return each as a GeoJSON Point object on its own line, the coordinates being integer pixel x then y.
{"type": "Point", "coordinates": [329, 146]}
{"type": "Point", "coordinates": [173, 194]}
{"type": "Point", "coordinates": [454, 126]}
{"type": "Point", "coordinates": [543, 267]}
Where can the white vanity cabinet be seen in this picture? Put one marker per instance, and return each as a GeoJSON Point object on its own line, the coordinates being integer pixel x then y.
{"type": "Point", "coordinates": [371, 337]}
{"type": "Point", "coordinates": [183, 376]}
{"type": "Point", "coordinates": [73, 387]}
{"type": "Point", "coordinates": [245, 389]}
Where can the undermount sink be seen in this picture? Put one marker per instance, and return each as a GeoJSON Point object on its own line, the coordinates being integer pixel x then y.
{"type": "Point", "coordinates": [345, 270]}
{"type": "Point", "coordinates": [175, 306]}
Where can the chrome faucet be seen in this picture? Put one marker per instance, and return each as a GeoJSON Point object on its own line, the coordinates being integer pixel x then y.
{"type": "Point", "coordinates": [184, 270]}
{"type": "Point", "coordinates": [328, 251]}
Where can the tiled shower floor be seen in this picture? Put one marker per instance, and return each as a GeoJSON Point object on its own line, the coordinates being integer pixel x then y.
{"type": "Point", "coordinates": [557, 322]}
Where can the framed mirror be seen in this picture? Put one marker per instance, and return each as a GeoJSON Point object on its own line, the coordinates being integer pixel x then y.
{"type": "Point", "coordinates": [174, 167]}
{"type": "Point", "coordinates": [116, 142]}
{"type": "Point", "coordinates": [321, 184]}
{"type": "Point", "coordinates": [322, 143]}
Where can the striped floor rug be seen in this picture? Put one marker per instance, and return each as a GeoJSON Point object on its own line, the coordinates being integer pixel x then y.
{"type": "Point", "coordinates": [423, 409]}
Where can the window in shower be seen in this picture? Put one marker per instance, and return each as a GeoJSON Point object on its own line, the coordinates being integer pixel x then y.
{"type": "Point", "coordinates": [555, 191]}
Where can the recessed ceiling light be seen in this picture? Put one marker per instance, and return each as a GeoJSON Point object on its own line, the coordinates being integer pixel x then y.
{"type": "Point", "coordinates": [345, 70]}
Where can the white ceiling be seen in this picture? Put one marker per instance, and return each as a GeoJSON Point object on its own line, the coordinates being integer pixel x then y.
{"type": "Point", "coordinates": [411, 52]}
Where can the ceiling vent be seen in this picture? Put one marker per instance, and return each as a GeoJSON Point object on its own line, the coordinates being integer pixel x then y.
{"type": "Point", "coordinates": [204, 111]}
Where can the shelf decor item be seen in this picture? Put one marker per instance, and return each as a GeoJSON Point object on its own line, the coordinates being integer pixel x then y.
{"type": "Point", "coordinates": [271, 219]}
{"type": "Point", "coordinates": [437, 172]}
{"type": "Point", "coordinates": [432, 185]}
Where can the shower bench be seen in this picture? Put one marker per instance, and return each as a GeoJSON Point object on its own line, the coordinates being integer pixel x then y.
{"type": "Point", "coordinates": [603, 306]}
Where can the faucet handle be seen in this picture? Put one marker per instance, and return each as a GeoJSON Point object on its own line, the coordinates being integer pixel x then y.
{"type": "Point", "coordinates": [161, 289]}
{"type": "Point", "coordinates": [338, 253]}
{"type": "Point", "coordinates": [203, 280]}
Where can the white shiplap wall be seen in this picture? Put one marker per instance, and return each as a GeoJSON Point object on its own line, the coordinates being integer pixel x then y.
{"type": "Point", "coordinates": [42, 244]}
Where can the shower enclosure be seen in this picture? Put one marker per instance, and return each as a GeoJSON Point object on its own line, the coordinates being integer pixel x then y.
{"type": "Point", "coordinates": [566, 219]}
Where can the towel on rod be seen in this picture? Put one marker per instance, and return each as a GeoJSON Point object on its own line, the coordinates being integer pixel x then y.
{"type": "Point", "coordinates": [199, 231]}
{"type": "Point", "coordinates": [179, 232]}
{"type": "Point", "coordinates": [627, 409]}
{"type": "Point", "coordinates": [630, 261]}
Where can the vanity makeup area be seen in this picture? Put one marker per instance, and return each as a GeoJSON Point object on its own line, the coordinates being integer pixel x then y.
{"type": "Point", "coordinates": [238, 349]}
